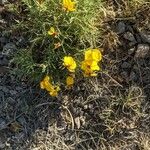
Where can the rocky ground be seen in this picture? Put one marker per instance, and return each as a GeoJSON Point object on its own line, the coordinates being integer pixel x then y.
{"type": "Point", "coordinates": [113, 111]}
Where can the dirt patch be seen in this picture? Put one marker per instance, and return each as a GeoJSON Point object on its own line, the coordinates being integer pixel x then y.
{"type": "Point", "coordinates": [108, 112]}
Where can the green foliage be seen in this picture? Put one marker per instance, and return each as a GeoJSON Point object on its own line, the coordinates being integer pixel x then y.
{"type": "Point", "coordinates": [76, 31]}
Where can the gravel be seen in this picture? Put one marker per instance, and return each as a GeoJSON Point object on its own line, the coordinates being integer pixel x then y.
{"type": "Point", "coordinates": [9, 49]}
{"type": "Point", "coordinates": [129, 36]}
{"type": "Point", "coordinates": [143, 51]}
{"type": "Point", "coordinates": [121, 27]}
{"type": "Point", "coordinates": [131, 51]}
{"type": "Point", "coordinates": [2, 123]}
{"type": "Point", "coordinates": [3, 60]}
{"type": "Point", "coordinates": [145, 37]}
{"type": "Point", "coordinates": [126, 65]}
{"type": "Point", "coordinates": [133, 76]}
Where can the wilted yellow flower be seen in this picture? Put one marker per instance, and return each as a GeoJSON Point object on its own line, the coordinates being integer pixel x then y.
{"type": "Point", "coordinates": [69, 63]}
{"type": "Point", "coordinates": [93, 54]}
{"type": "Point", "coordinates": [46, 84]}
{"type": "Point", "coordinates": [54, 91]}
{"type": "Point", "coordinates": [57, 45]}
{"type": "Point", "coordinates": [52, 31]}
{"type": "Point", "coordinates": [69, 81]}
{"type": "Point", "coordinates": [69, 5]}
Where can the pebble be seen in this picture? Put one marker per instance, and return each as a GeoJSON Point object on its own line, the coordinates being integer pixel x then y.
{"type": "Point", "coordinates": [132, 44]}
{"type": "Point", "coordinates": [125, 65]}
{"type": "Point", "coordinates": [21, 41]}
{"type": "Point", "coordinates": [3, 60]}
{"type": "Point", "coordinates": [2, 123]}
{"type": "Point", "coordinates": [131, 51]}
{"type": "Point", "coordinates": [5, 89]}
{"type": "Point", "coordinates": [3, 41]}
{"type": "Point", "coordinates": [124, 75]}
{"type": "Point", "coordinates": [145, 37]}
{"type": "Point", "coordinates": [129, 36]}
{"type": "Point", "coordinates": [13, 92]}
{"type": "Point", "coordinates": [22, 120]}
{"type": "Point", "coordinates": [2, 2]}
{"type": "Point", "coordinates": [1, 94]}
{"type": "Point", "coordinates": [9, 49]}
{"type": "Point", "coordinates": [133, 76]}
{"type": "Point", "coordinates": [121, 27]}
{"type": "Point", "coordinates": [143, 51]}
{"type": "Point", "coordinates": [138, 38]}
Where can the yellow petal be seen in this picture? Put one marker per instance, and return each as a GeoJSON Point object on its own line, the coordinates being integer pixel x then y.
{"type": "Point", "coordinates": [54, 92]}
{"type": "Point", "coordinates": [69, 63]}
{"type": "Point", "coordinates": [88, 54]}
{"type": "Point", "coordinates": [94, 66]}
{"type": "Point", "coordinates": [93, 54]}
{"type": "Point", "coordinates": [69, 81]}
{"type": "Point", "coordinates": [42, 85]}
{"type": "Point", "coordinates": [96, 55]}
{"type": "Point", "coordinates": [69, 5]}
{"type": "Point", "coordinates": [93, 74]}
{"type": "Point", "coordinates": [51, 31]}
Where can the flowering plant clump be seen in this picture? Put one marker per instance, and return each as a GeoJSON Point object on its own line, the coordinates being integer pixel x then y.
{"type": "Point", "coordinates": [58, 31]}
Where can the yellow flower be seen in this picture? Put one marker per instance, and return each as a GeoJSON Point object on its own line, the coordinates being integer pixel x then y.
{"type": "Point", "coordinates": [69, 81]}
{"type": "Point", "coordinates": [69, 63]}
{"type": "Point", "coordinates": [89, 67]}
{"type": "Point", "coordinates": [45, 84]}
{"type": "Point", "coordinates": [93, 54]}
{"type": "Point", "coordinates": [54, 91]}
{"type": "Point", "coordinates": [52, 32]}
{"type": "Point", "coordinates": [69, 5]}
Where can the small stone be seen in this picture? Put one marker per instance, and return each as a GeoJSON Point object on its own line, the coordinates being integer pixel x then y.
{"type": "Point", "coordinates": [9, 49]}
{"type": "Point", "coordinates": [5, 89]}
{"type": "Point", "coordinates": [19, 88]}
{"type": "Point", "coordinates": [121, 27]}
{"type": "Point", "coordinates": [85, 106]}
{"type": "Point", "coordinates": [3, 41]}
{"type": "Point", "coordinates": [145, 37]}
{"type": "Point", "coordinates": [21, 41]}
{"type": "Point", "coordinates": [133, 76]}
{"type": "Point", "coordinates": [22, 120]}
{"type": "Point", "coordinates": [138, 38]}
{"type": "Point", "coordinates": [77, 122]}
{"type": "Point", "coordinates": [131, 51]}
{"type": "Point", "coordinates": [129, 28]}
{"type": "Point", "coordinates": [124, 75]}
{"type": "Point", "coordinates": [2, 2]}
{"type": "Point", "coordinates": [3, 60]}
{"type": "Point", "coordinates": [132, 44]}
{"type": "Point", "coordinates": [2, 124]}
{"type": "Point", "coordinates": [13, 92]}
{"type": "Point", "coordinates": [129, 36]}
{"type": "Point", "coordinates": [1, 94]}
{"type": "Point", "coordinates": [143, 51]}
{"type": "Point", "coordinates": [11, 101]}
{"type": "Point", "coordinates": [126, 65]}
